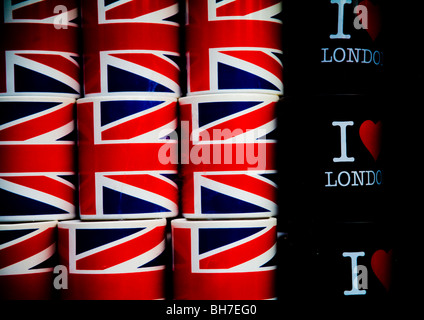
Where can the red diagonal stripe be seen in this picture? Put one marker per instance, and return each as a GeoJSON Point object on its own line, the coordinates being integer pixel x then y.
{"type": "Point", "coordinates": [47, 185]}
{"type": "Point", "coordinates": [42, 10]}
{"type": "Point", "coordinates": [143, 124]}
{"type": "Point", "coordinates": [246, 183]}
{"type": "Point", "coordinates": [148, 183]}
{"type": "Point", "coordinates": [243, 123]}
{"type": "Point", "coordinates": [258, 58]}
{"type": "Point", "coordinates": [153, 62]}
{"type": "Point", "coordinates": [39, 125]}
{"type": "Point", "coordinates": [240, 254]}
{"type": "Point", "coordinates": [134, 9]}
{"type": "Point", "coordinates": [125, 251]}
{"type": "Point", "coordinates": [27, 248]}
{"type": "Point", "coordinates": [55, 61]}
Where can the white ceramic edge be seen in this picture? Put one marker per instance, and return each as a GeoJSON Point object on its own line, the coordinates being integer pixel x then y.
{"type": "Point", "coordinates": [111, 224]}
{"type": "Point", "coordinates": [234, 91]}
{"type": "Point", "coordinates": [132, 216]}
{"type": "Point", "coordinates": [124, 95]}
{"type": "Point", "coordinates": [38, 98]}
{"type": "Point", "coordinates": [28, 225]}
{"type": "Point", "coordinates": [241, 223]}
{"type": "Point", "coordinates": [225, 216]}
{"type": "Point", "coordinates": [37, 218]}
{"type": "Point", "coordinates": [237, 96]}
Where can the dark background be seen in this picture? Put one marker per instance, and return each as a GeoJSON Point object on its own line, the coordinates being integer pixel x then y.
{"type": "Point", "coordinates": [399, 89]}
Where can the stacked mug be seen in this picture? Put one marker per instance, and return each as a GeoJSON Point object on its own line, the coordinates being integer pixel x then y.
{"type": "Point", "coordinates": [334, 165]}
{"type": "Point", "coordinates": [224, 247]}
{"type": "Point", "coordinates": [127, 151]}
{"type": "Point", "coordinates": [39, 81]}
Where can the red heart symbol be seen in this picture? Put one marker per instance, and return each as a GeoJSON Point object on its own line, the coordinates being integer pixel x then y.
{"type": "Point", "coordinates": [370, 134]}
{"type": "Point", "coordinates": [381, 264]}
{"type": "Point", "coordinates": [374, 18]}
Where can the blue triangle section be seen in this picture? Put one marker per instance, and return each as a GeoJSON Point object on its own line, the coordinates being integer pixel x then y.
{"type": "Point", "coordinates": [278, 16]}
{"type": "Point", "coordinates": [27, 80]}
{"type": "Point", "coordinates": [17, 1]}
{"type": "Point", "coordinates": [9, 235]}
{"type": "Point", "coordinates": [176, 59]}
{"type": "Point", "coordinates": [71, 136]}
{"type": "Point", "coordinates": [175, 18]}
{"type": "Point", "coordinates": [108, 2]}
{"type": "Point", "coordinates": [271, 262]}
{"type": "Point", "coordinates": [269, 136]}
{"type": "Point", "coordinates": [48, 263]}
{"type": "Point", "coordinates": [115, 202]}
{"type": "Point", "coordinates": [120, 80]}
{"type": "Point", "coordinates": [278, 55]}
{"type": "Point", "coordinates": [211, 111]}
{"type": "Point", "coordinates": [271, 176]}
{"type": "Point", "coordinates": [216, 202]}
{"type": "Point", "coordinates": [158, 261]}
{"type": "Point", "coordinates": [72, 178]}
{"type": "Point", "coordinates": [171, 176]}
{"type": "Point", "coordinates": [13, 204]}
{"type": "Point", "coordinates": [117, 109]}
{"type": "Point", "coordinates": [10, 111]}
{"type": "Point", "coordinates": [233, 78]}
{"type": "Point", "coordinates": [87, 239]}
{"type": "Point", "coordinates": [213, 238]}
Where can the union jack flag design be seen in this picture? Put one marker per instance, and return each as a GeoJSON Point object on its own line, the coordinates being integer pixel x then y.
{"type": "Point", "coordinates": [246, 194]}
{"type": "Point", "coordinates": [113, 260]}
{"type": "Point", "coordinates": [141, 52]}
{"type": "Point", "coordinates": [224, 260]}
{"type": "Point", "coordinates": [228, 167]}
{"type": "Point", "coordinates": [39, 49]}
{"type": "Point", "coordinates": [37, 171]}
{"type": "Point", "coordinates": [234, 45]}
{"type": "Point", "coordinates": [224, 119]}
{"type": "Point", "coordinates": [27, 253]}
{"type": "Point", "coordinates": [120, 145]}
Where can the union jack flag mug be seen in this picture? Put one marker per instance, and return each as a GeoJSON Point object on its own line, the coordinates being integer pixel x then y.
{"type": "Point", "coordinates": [228, 156]}
{"type": "Point", "coordinates": [27, 252]}
{"type": "Point", "coordinates": [39, 48]}
{"type": "Point", "coordinates": [127, 157]}
{"type": "Point", "coordinates": [224, 259]}
{"type": "Point", "coordinates": [131, 47]}
{"type": "Point", "coordinates": [37, 150]}
{"type": "Point", "coordinates": [234, 46]}
{"type": "Point", "coordinates": [113, 260]}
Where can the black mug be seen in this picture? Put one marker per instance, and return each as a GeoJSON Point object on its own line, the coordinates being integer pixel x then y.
{"type": "Point", "coordinates": [332, 159]}
{"type": "Point", "coordinates": [350, 261]}
{"type": "Point", "coordinates": [333, 47]}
